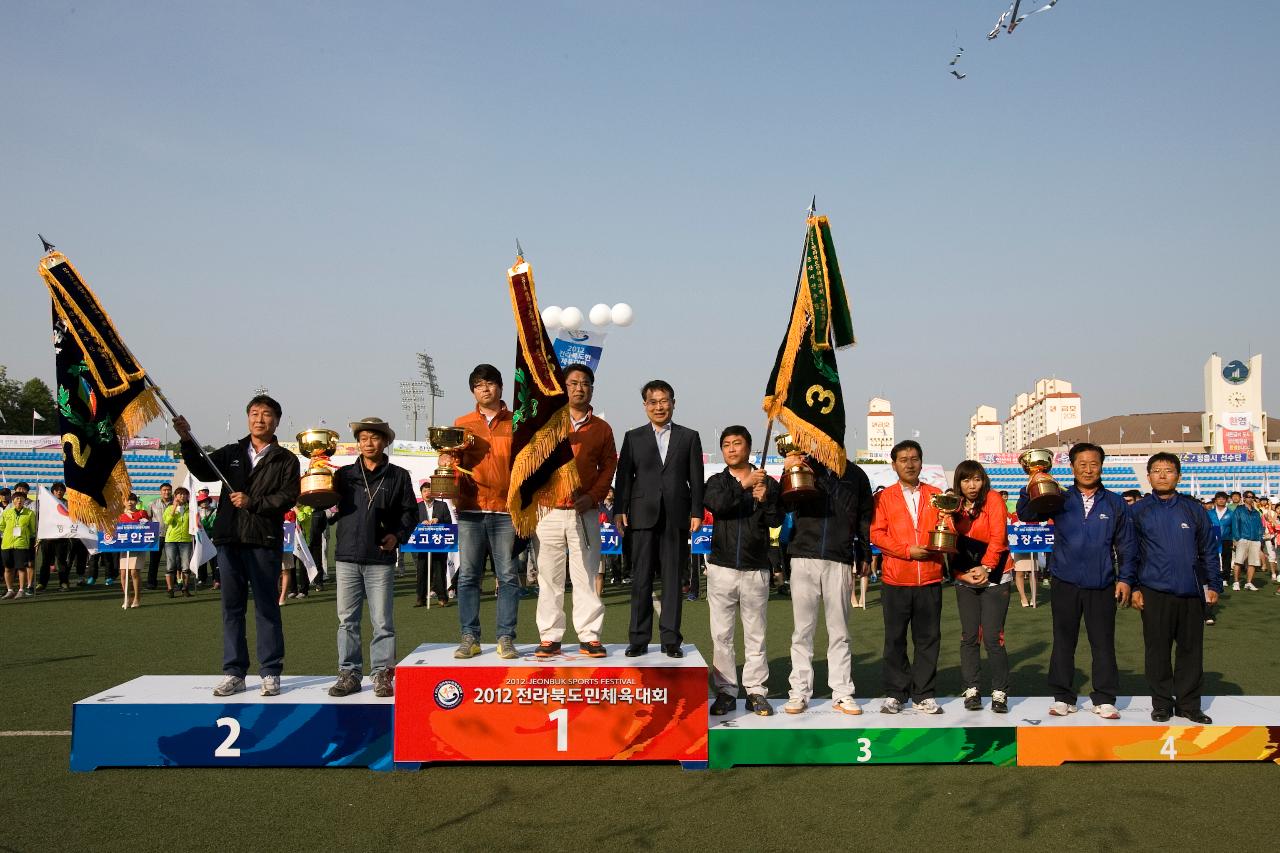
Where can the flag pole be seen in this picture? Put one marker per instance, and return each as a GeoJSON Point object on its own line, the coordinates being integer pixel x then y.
{"type": "Point", "coordinates": [768, 427]}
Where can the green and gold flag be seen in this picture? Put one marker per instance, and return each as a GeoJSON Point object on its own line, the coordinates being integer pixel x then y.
{"type": "Point", "coordinates": [804, 387]}
{"type": "Point", "coordinates": [541, 459]}
{"type": "Point", "coordinates": [102, 396]}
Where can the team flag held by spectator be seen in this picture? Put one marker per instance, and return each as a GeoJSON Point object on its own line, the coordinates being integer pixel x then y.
{"type": "Point", "coordinates": [102, 396]}
{"type": "Point", "coordinates": [541, 458]}
{"type": "Point", "coordinates": [804, 387]}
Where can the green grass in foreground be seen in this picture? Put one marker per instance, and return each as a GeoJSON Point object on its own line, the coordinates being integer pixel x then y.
{"type": "Point", "coordinates": [59, 648]}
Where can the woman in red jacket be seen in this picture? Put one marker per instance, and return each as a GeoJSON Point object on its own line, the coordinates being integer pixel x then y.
{"type": "Point", "coordinates": [982, 585]}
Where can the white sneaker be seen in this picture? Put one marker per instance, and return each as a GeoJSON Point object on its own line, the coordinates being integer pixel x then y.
{"type": "Point", "coordinates": [795, 706]}
{"type": "Point", "coordinates": [1107, 711]}
{"type": "Point", "coordinates": [847, 706]}
{"type": "Point", "coordinates": [270, 685]}
{"type": "Point", "coordinates": [928, 706]}
{"type": "Point", "coordinates": [229, 685]}
{"type": "Point", "coordinates": [8, 593]}
{"type": "Point", "coordinates": [891, 706]}
{"type": "Point", "coordinates": [1250, 587]}
{"type": "Point", "coordinates": [1061, 709]}
{"type": "Point", "coordinates": [1236, 586]}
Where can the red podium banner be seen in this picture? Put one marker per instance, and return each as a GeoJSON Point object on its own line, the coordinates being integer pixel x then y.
{"type": "Point", "coordinates": [569, 708]}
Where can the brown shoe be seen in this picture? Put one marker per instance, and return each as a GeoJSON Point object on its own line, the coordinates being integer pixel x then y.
{"type": "Point", "coordinates": [384, 683]}
{"type": "Point", "coordinates": [421, 602]}
{"type": "Point", "coordinates": [348, 682]}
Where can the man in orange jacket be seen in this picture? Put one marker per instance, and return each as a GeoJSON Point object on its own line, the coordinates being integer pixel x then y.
{"type": "Point", "coordinates": [484, 523]}
{"type": "Point", "coordinates": [911, 583]}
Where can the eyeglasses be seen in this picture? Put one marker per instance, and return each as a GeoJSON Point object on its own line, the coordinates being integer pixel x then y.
{"type": "Point", "coordinates": [578, 384]}
{"type": "Point", "coordinates": [656, 404]}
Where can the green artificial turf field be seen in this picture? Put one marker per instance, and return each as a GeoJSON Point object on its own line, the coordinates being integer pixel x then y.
{"type": "Point", "coordinates": [61, 647]}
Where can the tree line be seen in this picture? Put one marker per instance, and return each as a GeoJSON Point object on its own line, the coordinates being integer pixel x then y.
{"type": "Point", "coordinates": [19, 399]}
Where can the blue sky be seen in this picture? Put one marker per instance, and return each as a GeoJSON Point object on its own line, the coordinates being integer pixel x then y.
{"type": "Point", "coordinates": [304, 195]}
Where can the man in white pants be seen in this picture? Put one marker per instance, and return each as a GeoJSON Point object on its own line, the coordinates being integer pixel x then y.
{"type": "Point", "coordinates": [823, 566]}
{"type": "Point", "coordinates": [744, 503]}
{"type": "Point", "coordinates": [570, 531]}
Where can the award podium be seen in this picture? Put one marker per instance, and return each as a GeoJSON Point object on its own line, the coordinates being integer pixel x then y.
{"type": "Point", "coordinates": [176, 721]}
{"type": "Point", "coordinates": [567, 708]}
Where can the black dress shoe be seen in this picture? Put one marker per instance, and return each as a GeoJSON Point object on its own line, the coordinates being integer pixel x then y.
{"type": "Point", "coordinates": [636, 651]}
{"type": "Point", "coordinates": [724, 704]}
{"type": "Point", "coordinates": [1197, 716]}
{"type": "Point", "coordinates": [1161, 715]}
{"type": "Point", "coordinates": [673, 651]}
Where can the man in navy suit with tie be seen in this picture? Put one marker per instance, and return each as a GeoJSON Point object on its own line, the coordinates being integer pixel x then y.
{"type": "Point", "coordinates": [658, 505]}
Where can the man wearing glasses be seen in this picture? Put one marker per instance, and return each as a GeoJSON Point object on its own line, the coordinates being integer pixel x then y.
{"type": "Point", "coordinates": [484, 523]}
{"type": "Point", "coordinates": [659, 506]}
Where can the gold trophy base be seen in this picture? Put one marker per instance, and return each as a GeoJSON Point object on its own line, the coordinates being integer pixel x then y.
{"type": "Point", "coordinates": [1045, 496]}
{"type": "Point", "coordinates": [444, 484]}
{"type": "Point", "coordinates": [798, 484]}
{"type": "Point", "coordinates": [317, 490]}
{"type": "Point", "coordinates": [942, 542]}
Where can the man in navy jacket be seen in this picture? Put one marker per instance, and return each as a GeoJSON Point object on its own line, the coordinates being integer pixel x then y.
{"type": "Point", "coordinates": [1092, 533]}
{"type": "Point", "coordinates": [1178, 569]}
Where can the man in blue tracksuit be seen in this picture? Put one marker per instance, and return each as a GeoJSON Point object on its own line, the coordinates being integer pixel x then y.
{"type": "Point", "coordinates": [1092, 533]}
{"type": "Point", "coordinates": [1178, 568]}
{"type": "Point", "coordinates": [1246, 536]}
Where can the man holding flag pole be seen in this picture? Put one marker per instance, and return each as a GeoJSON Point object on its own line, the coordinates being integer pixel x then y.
{"type": "Point", "coordinates": [104, 397]}
{"type": "Point", "coordinates": [804, 393]}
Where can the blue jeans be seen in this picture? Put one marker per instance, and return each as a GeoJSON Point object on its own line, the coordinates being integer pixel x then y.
{"type": "Point", "coordinates": [177, 557]}
{"type": "Point", "coordinates": [242, 567]}
{"type": "Point", "coordinates": [490, 533]}
{"type": "Point", "coordinates": [358, 583]}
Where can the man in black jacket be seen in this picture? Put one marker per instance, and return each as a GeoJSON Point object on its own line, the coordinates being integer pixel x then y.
{"type": "Point", "coordinates": [659, 490]}
{"type": "Point", "coordinates": [744, 503]}
{"type": "Point", "coordinates": [376, 514]}
{"type": "Point", "coordinates": [824, 562]}
{"type": "Point", "coordinates": [264, 483]}
{"type": "Point", "coordinates": [432, 566]}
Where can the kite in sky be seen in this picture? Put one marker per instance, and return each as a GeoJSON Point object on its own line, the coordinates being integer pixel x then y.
{"type": "Point", "coordinates": [1009, 18]}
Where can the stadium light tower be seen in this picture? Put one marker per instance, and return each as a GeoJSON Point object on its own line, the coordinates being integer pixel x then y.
{"type": "Point", "coordinates": [413, 401]}
{"type": "Point", "coordinates": [427, 368]}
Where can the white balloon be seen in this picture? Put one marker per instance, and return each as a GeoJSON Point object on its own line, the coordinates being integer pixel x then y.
{"type": "Point", "coordinates": [601, 314]}
{"type": "Point", "coordinates": [552, 316]}
{"type": "Point", "coordinates": [622, 314]}
{"type": "Point", "coordinates": [571, 318]}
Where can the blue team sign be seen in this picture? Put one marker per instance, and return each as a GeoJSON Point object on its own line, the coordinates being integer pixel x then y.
{"type": "Point", "coordinates": [610, 539]}
{"type": "Point", "coordinates": [432, 539]}
{"type": "Point", "coordinates": [700, 542]}
{"type": "Point", "coordinates": [135, 536]}
{"type": "Point", "coordinates": [1030, 538]}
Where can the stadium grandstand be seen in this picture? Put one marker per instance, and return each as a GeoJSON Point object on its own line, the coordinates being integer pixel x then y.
{"type": "Point", "coordinates": [41, 466]}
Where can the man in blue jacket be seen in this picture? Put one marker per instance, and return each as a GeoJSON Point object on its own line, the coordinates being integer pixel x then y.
{"type": "Point", "coordinates": [1246, 534]}
{"type": "Point", "coordinates": [1177, 569]}
{"type": "Point", "coordinates": [1092, 533]}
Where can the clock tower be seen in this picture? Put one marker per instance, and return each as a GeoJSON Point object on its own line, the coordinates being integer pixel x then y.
{"type": "Point", "coordinates": [1233, 419]}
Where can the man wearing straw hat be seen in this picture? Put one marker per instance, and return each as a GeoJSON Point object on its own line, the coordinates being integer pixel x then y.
{"type": "Point", "coordinates": [376, 512]}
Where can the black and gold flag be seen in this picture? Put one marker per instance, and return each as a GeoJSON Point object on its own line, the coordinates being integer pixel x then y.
{"type": "Point", "coordinates": [804, 387]}
{"type": "Point", "coordinates": [541, 458]}
{"type": "Point", "coordinates": [102, 397]}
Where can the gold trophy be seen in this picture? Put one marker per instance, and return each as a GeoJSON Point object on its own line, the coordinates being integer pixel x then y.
{"type": "Point", "coordinates": [451, 440]}
{"type": "Point", "coordinates": [318, 445]}
{"type": "Point", "coordinates": [1044, 494]}
{"type": "Point", "coordinates": [798, 481]}
{"type": "Point", "coordinates": [943, 538]}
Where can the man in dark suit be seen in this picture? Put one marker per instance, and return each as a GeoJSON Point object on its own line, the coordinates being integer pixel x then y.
{"type": "Point", "coordinates": [659, 504]}
{"type": "Point", "coordinates": [432, 565]}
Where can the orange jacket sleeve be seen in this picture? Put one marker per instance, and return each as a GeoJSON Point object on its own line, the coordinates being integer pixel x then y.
{"type": "Point", "coordinates": [882, 528]}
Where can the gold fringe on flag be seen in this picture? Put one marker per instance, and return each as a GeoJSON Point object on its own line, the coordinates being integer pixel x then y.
{"type": "Point", "coordinates": [86, 509]}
